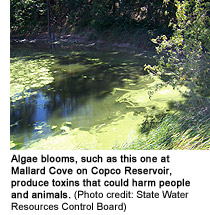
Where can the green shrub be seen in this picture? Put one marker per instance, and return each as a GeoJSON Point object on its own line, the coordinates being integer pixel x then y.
{"type": "Point", "coordinates": [186, 54]}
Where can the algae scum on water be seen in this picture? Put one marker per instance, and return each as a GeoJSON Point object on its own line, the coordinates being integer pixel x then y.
{"type": "Point", "coordinates": [81, 98]}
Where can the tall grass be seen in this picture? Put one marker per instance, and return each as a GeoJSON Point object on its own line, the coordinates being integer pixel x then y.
{"type": "Point", "coordinates": [180, 131]}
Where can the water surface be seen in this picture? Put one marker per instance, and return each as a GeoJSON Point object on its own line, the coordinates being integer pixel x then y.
{"type": "Point", "coordinates": [66, 97]}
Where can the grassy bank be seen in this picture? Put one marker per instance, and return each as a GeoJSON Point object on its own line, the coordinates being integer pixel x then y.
{"type": "Point", "coordinates": [180, 131]}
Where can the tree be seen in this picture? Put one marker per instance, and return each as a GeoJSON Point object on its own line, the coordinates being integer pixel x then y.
{"type": "Point", "coordinates": [185, 55]}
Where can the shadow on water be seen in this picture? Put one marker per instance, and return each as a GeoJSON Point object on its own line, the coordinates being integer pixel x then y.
{"type": "Point", "coordinates": [80, 93]}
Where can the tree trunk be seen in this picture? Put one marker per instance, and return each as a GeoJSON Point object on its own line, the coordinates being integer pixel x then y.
{"type": "Point", "coordinates": [48, 18]}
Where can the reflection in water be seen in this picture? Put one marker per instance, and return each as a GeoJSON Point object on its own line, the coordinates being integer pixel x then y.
{"type": "Point", "coordinates": [80, 92]}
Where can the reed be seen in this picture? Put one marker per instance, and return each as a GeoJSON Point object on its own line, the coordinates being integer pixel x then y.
{"type": "Point", "coordinates": [180, 131]}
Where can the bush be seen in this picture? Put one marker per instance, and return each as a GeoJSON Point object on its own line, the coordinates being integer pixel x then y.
{"type": "Point", "coordinates": [186, 53]}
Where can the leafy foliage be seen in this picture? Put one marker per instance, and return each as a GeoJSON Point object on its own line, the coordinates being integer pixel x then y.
{"type": "Point", "coordinates": [30, 16]}
{"type": "Point", "coordinates": [185, 55]}
{"type": "Point", "coordinates": [27, 16]}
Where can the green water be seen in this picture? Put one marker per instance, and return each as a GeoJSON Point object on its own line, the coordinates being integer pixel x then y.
{"type": "Point", "coordinates": [78, 97]}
